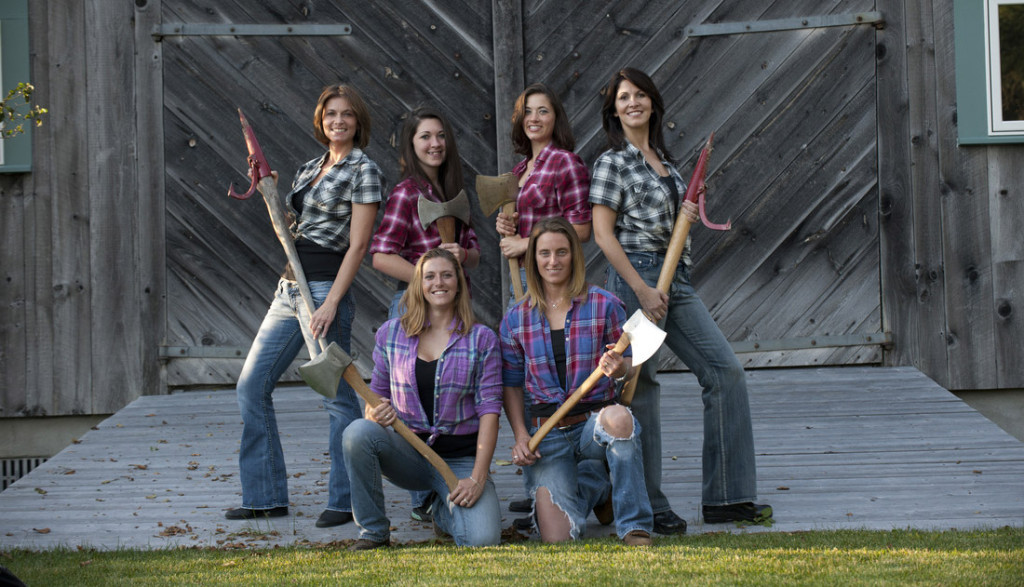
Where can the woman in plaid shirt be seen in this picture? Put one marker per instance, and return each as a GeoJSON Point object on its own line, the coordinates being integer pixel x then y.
{"type": "Point", "coordinates": [440, 373]}
{"type": "Point", "coordinates": [636, 192]}
{"type": "Point", "coordinates": [334, 202]}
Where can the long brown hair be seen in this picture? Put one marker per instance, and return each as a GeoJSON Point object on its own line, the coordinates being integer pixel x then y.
{"type": "Point", "coordinates": [355, 101]}
{"type": "Point", "coordinates": [534, 282]}
{"type": "Point", "coordinates": [414, 321]}
{"type": "Point", "coordinates": [613, 126]}
{"type": "Point", "coordinates": [450, 172]}
{"type": "Point", "coordinates": [562, 136]}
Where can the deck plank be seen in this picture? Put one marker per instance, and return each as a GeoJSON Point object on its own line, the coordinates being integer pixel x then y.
{"type": "Point", "coordinates": [837, 448]}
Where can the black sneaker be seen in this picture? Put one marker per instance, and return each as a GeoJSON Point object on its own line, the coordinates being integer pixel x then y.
{"type": "Point", "coordinates": [523, 524]}
{"type": "Point", "coordinates": [249, 514]}
{"type": "Point", "coordinates": [737, 512]}
{"type": "Point", "coordinates": [424, 513]}
{"type": "Point", "coordinates": [331, 518]}
{"type": "Point", "coordinates": [669, 523]}
{"type": "Point", "coordinates": [523, 506]}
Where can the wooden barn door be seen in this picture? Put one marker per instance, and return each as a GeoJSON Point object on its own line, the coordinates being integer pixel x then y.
{"type": "Point", "coordinates": [793, 109]}
{"type": "Point", "coordinates": [222, 256]}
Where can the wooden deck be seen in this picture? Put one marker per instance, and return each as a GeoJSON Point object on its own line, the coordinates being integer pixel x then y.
{"type": "Point", "coordinates": [857, 447]}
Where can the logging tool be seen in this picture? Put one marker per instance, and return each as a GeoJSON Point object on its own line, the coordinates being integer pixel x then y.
{"type": "Point", "coordinates": [500, 192]}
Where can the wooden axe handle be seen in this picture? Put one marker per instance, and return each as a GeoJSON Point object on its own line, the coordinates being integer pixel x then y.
{"type": "Point", "coordinates": [513, 263]}
{"type": "Point", "coordinates": [354, 379]}
{"type": "Point", "coordinates": [573, 399]}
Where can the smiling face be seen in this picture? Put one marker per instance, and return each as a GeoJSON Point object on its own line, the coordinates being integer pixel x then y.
{"type": "Point", "coordinates": [539, 119]}
{"type": "Point", "coordinates": [429, 144]}
{"type": "Point", "coordinates": [554, 258]}
{"type": "Point", "coordinates": [339, 122]}
{"type": "Point", "coordinates": [633, 106]}
{"type": "Point", "coordinates": [440, 282]}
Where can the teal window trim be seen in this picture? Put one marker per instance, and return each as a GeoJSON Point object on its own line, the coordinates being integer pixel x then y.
{"type": "Point", "coordinates": [14, 68]}
{"type": "Point", "coordinates": [972, 81]}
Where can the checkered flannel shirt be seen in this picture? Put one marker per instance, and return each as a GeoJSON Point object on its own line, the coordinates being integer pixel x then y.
{"type": "Point", "coordinates": [558, 186]}
{"type": "Point", "coordinates": [400, 231]}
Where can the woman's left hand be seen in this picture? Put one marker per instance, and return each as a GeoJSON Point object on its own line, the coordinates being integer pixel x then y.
{"type": "Point", "coordinates": [611, 363]}
{"type": "Point", "coordinates": [513, 247]}
{"type": "Point", "coordinates": [467, 492]}
{"type": "Point", "coordinates": [321, 320]}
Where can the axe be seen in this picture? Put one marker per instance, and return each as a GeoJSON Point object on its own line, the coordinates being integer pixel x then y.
{"type": "Point", "coordinates": [680, 232]}
{"type": "Point", "coordinates": [264, 181]}
{"type": "Point", "coordinates": [500, 192]}
{"type": "Point", "coordinates": [324, 373]}
{"type": "Point", "coordinates": [643, 335]}
{"type": "Point", "coordinates": [444, 214]}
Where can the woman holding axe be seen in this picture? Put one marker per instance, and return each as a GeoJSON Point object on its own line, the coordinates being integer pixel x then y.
{"type": "Point", "coordinates": [334, 199]}
{"type": "Point", "coordinates": [635, 191]}
{"type": "Point", "coordinates": [440, 373]}
{"type": "Point", "coordinates": [552, 341]}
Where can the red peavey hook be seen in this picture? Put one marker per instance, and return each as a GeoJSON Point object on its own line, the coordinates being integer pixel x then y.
{"type": "Point", "coordinates": [695, 190]}
{"type": "Point", "coordinates": [257, 162]}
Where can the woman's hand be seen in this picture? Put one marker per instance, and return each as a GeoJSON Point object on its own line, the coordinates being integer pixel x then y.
{"type": "Point", "coordinates": [690, 210]}
{"type": "Point", "coordinates": [454, 248]}
{"type": "Point", "coordinates": [513, 246]}
{"type": "Point", "coordinates": [612, 363]}
{"type": "Point", "coordinates": [467, 492]}
{"type": "Point", "coordinates": [521, 454]}
{"type": "Point", "coordinates": [653, 302]}
{"type": "Point", "coordinates": [383, 413]}
{"type": "Point", "coordinates": [506, 225]}
{"type": "Point", "coordinates": [321, 320]}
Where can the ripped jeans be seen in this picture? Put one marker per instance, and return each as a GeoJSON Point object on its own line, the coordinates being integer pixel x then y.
{"type": "Point", "coordinates": [563, 448]}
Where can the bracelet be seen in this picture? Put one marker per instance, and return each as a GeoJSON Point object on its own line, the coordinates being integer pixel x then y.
{"type": "Point", "coordinates": [474, 481]}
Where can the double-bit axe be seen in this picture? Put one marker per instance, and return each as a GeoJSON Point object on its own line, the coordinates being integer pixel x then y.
{"type": "Point", "coordinates": [443, 214]}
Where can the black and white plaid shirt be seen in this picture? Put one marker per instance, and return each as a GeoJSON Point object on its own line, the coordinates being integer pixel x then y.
{"type": "Point", "coordinates": [327, 206]}
{"type": "Point", "coordinates": [625, 182]}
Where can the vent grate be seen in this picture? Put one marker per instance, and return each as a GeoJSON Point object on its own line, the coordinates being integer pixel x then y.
{"type": "Point", "coordinates": [13, 469]}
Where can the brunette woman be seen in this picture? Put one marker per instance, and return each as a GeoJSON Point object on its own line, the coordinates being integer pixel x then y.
{"type": "Point", "coordinates": [334, 201]}
{"type": "Point", "coordinates": [635, 192]}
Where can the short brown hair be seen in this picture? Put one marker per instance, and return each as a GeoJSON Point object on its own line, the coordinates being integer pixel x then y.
{"type": "Point", "coordinates": [562, 136]}
{"type": "Point", "coordinates": [362, 136]}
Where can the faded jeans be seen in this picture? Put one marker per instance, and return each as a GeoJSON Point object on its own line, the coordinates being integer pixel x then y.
{"type": "Point", "coordinates": [260, 458]}
{"type": "Point", "coordinates": [563, 470]}
{"type": "Point", "coordinates": [373, 453]}
{"type": "Point", "coordinates": [729, 471]}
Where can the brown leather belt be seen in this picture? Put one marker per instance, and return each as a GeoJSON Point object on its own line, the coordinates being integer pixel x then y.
{"type": "Point", "coordinates": [564, 422]}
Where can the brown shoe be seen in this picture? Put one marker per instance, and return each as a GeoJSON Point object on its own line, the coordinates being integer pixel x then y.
{"type": "Point", "coordinates": [367, 544]}
{"type": "Point", "coordinates": [604, 512]}
{"type": "Point", "coordinates": [637, 538]}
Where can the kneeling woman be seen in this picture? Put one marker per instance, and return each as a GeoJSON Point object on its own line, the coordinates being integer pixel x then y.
{"type": "Point", "coordinates": [551, 341]}
{"type": "Point", "coordinates": [440, 373]}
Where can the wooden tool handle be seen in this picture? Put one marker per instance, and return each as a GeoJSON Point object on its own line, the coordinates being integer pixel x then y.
{"type": "Point", "coordinates": [573, 399]}
{"type": "Point", "coordinates": [354, 379]}
{"type": "Point", "coordinates": [446, 228]}
{"type": "Point", "coordinates": [513, 263]}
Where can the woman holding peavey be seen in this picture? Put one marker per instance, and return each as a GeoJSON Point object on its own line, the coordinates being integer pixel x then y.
{"type": "Point", "coordinates": [334, 200]}
{"type": "Point", "coordinates": [635, 192]}
{"type": "Point", "coordinates": [552, 341]}
{"type": "Point", "coordinates": [440, 373]}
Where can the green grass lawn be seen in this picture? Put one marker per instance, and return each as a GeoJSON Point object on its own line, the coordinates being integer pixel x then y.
{"type": "Point", "coordinates": [984, 557]}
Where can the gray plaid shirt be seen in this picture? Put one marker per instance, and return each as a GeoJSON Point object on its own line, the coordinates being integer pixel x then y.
{"type": "Point", "coordinates": [327, 206]}
{"type": "Point", "coordinates": [623, 181]}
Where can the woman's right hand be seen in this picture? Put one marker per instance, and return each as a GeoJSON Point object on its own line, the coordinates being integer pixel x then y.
{"type": "Point", "coordinates": [513, 247]}
{"type": "Point", "coordinates": [521, 454]}
{"type": "Point", "coordinates": [506, 225]}
{"type": "Point", "coordinates": [653, 302]}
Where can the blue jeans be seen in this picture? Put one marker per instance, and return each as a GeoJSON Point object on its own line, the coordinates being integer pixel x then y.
{"type": "Point", "coordinates": [373, 453]}
{"type": "Point", "coordinates": [730, 474]}
{"type": "Point", "coordinates": [260, 458]}
{"type": "Point", "coordinates": [563, 469]}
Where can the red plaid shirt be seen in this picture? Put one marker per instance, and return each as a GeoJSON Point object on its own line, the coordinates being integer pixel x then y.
{"type": "Point", "coordinates": [558, 186]}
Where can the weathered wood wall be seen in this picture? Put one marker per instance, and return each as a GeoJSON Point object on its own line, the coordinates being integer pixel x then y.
{"type": "Point", "coordinates": [854, 209]}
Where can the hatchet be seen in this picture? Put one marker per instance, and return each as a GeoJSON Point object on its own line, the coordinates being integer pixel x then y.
{"type": "Point", "coordinates": [643, 335]}
{"type": "Point", "coordinates": [500, 192]}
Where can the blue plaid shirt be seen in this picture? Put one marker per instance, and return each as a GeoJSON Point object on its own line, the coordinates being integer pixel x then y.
{"type": "Point", "coordinates": [625, 182]}
{"type": "Point", "coordinates": [528, 361]}
{"type": "Point", "coordinates": [327, 206]}
{"type": "Point", "coordinates": [467, 384]}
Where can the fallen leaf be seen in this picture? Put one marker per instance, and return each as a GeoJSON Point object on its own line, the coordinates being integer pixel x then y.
{"type": "Point", "coordinates": [85, 563]}
{"type": "Point", "coordinates": [782, 488]}
{"type": "Point", "coordinates": [976, 472]}
{"type": "Point", "coordinates": [69, 472]}
{"type": "Point", "coordinates": [42, 530]}
{"type": "Point", "coordinates": [40, 491]}
{"type": "Point", "coordinates": [141, 467]}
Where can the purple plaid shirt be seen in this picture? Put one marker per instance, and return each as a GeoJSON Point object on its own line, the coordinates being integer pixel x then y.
{"type": "Point", "coordinates": [558, 186]}
{"type": "Point", "coordinates": [467, 384]}
{"type": "Point", "coordinates": [528, 361]}
{"type": "Point", "coordinates": [400, 231]}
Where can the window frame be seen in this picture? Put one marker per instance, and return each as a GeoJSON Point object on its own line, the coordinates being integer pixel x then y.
{"type": "Point", "coordinates": [15, 152]}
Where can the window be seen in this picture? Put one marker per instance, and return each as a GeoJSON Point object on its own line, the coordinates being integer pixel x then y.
{"type": "Point", "coordinates": [16, 152]}
{"type": "Point", "coordinates": [990, 70]}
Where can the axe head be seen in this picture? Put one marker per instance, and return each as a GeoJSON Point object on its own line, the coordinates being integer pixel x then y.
{"type": "Point", "coordinates": [495, 191]}
{"type": "Point", "coordinates": [644, 336]}
{"type": "Point", "coordinates": [430, 211]}
{"type": "Point", "coordinates": [324, 372]}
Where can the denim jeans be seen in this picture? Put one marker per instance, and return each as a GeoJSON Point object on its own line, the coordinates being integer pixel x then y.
{"type": "Point", "coordinates": [730, 474]}
{"type": "Point", "coordinates": [260, 458]}
{"type": "Point", "coordinates": [564, 470]}
{"type": "Point", "coordinates": [373, 453]}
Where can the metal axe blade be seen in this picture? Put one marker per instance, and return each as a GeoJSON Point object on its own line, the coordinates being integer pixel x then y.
{"type": "Point", "coordinates": [494, 191]}
{"type": "Point", "coordinates": [457, 207]}
{"type": "Point", "coordinates": [644, 336]}
{"type": "Point", "coordinates": [324, 372]}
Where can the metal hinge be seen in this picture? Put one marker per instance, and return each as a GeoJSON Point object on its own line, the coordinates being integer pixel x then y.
{"type": "Point", "coordinates": [238, 30]}
{"type": "Point", "coordinates": [786, 24]}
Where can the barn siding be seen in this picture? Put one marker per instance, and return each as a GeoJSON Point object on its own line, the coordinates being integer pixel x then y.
{"type": "Point", "coordinates": [110, 252]}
